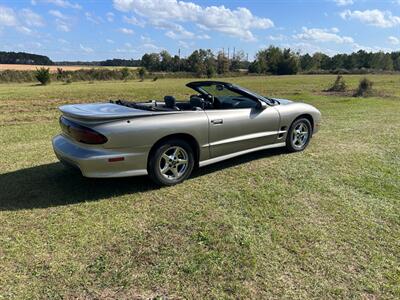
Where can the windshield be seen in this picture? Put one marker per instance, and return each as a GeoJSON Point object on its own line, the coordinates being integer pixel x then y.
{"type": "Point", "coordinates": [265, 99]}
{"type": "Point", "coordinates": [226, 96]}
{"type": "Point", "coordinates": [225, 90]}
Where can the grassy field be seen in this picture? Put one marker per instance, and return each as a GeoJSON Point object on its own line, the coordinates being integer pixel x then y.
{"type": "Point", "coordinates": [53, 69]}
{"type": "Point", "coordinates": [322, 224]}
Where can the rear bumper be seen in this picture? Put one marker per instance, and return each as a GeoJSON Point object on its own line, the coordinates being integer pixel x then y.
{"type": "Point", "coordinates": [95, 163]}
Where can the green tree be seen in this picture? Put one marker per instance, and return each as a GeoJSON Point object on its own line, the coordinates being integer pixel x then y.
{"type": "Point", "coordinates": [151, 61]}
{"type": "Point", "coordinates": [166, 61]}
{"type": "Point", "coordinates": [255, 67]}
{"type": "Point", "coordinates": [276, 61]}
{"type": "Point", "coordinates": [396, 64]}
{"type": "Point", "coordinates": [43, 75]}
{"type": "Point", "coordinates": [306, 62]}
{"type": "Point", "coordinates": [125, 73]}
{"type": "Point", "coordinates": [142, 73]}
{"type": "Point", "coordinates": [236, 61]}
{"type": "Point", "coordinates": [222, 63]}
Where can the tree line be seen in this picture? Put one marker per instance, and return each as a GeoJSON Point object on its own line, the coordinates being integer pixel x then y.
{"type": "Point", "coordinates": [272, 60]}
{"type": "Point", "coordinates": [115, 62]}
{"type": "Point", "coordinates": [24, 58]}
{"type": "Point", "coordinates": [203, 62]}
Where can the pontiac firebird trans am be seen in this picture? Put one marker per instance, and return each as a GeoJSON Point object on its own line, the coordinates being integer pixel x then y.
{"type": "Point", "coordinates": [166, 140]}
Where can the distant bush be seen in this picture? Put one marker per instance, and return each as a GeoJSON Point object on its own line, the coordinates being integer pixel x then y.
{"type": "Point", "coordinates": [364, 88]}
{"type": "Point", "coordinates": [340, 71]}
{"type": "Point", "coordinates": [60, 74]}
{"type": "Point", "coordinates": [17, 76]}
{"type": "Point", "coordinates": [43, 75]}
{"type": "Point", "coordinates": [155, 78]}
{"type": "Point", "coordinates": [338, 86]}
{"type": "Point", "coordinates": [142, 73]}
{"type": "Point", "coordinates": [125, 73]}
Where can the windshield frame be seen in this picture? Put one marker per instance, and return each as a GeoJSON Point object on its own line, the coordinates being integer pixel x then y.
{"type": "Point", "coordinates": [197, 86]}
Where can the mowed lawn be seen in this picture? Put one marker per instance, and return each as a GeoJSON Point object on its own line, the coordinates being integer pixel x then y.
{"type": "Point", "coordinates": [322, 224]}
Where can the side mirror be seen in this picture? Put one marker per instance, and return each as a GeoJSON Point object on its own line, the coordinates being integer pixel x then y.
{"type": "Point", "coordinates": [262, 105]}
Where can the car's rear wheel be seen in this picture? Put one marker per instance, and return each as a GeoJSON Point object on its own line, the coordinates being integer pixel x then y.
{"type": "Point", "coordinates": [299, 135]}
{"type": "Point", "coordinates": [171, 162]}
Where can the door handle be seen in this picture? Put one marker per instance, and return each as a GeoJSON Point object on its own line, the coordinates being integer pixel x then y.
{"type": "Point", "coordinates": [217, 121]}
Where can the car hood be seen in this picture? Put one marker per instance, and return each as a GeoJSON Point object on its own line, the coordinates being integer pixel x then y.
{"type": "Point", "coordinates": [283, 101]}
{"type": "Point", "coordinates": [104, 111]}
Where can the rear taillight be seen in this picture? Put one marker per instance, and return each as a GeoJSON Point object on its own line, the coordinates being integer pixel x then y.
{"type": "Point", "coordinates": [81, 133]}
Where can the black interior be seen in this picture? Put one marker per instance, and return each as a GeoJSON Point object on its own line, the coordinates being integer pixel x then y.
{"type": "Point", "coordinates": [212, 95]}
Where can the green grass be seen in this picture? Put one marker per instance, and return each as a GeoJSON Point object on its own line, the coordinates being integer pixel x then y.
{"type": "Point", "coordinates": [323, 224]}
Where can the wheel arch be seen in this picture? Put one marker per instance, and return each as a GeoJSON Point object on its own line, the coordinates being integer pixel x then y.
{"type": "Point", "coordinates": [308, 117]}
{"type": "Point", "coordinates": [191, 140]}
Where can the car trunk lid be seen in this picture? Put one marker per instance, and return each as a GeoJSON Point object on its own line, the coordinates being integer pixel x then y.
{"type": "Point", "coordinates": [102, 111]}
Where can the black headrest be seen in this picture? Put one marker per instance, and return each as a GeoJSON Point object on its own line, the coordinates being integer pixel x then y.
{"type": "Point", "coordinates": [197, 102]}
{"type": "Point", "coordinates": [170, 101]}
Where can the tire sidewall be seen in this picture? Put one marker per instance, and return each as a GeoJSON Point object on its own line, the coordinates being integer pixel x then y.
{"type": "Point", "coordinates": [155, 158]}
{"type": "Point", "coordinates": [289, 143]}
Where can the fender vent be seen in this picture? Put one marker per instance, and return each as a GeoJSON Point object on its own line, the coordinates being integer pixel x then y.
{"type": "Point", "coordinates": [282, 132]}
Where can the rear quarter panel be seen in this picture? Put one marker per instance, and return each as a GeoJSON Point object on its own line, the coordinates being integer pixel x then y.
{"type": "Point", "coordinates": [143, 132]}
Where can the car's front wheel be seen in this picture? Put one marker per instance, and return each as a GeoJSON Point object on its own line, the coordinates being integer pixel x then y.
{"type": "Point", "coordinates": [299, 135]}
{"type": "Point", "coordinates": [171, 162]}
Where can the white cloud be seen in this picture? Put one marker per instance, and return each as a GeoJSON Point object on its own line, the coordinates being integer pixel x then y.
{"type": "Point", "coordinates": [394, 40]}
{"type": "Point", "coordinates": [24, 29]}
{"type": "Point", "coordinates": [178, 32]}
{"type": "Point", "coordinates": [374, 17]}
{"type": "Point", "coordinates": [309, 48]}
{"type": "Point", "coordinates": [279, 37]}
{"type": "Point", "coordinates": [185, 45]}
{"type": "Point", "coordinates": [30, 18]}
{"type": "Point", "coordinates": [203, 37]}
{"type": "Point", "coordinates": [344, 2]}
{"type": "Point", "coordinates": [7, 17]}
{"type": "Point", "coordinates": [237, 23]}
{"type": "Point", "coordinates": [93, 18]}
{"type": "Point", "coordinates": [86, 49]}
{"type": "Point", "coordinates": [63, 22]}
{"type": "Point", "coordinates": [133, 21]}
{"type": "Point", "coordinates": [146, 39]}
{"type": "Point", "coordinates": [58, 14]}
{"type": "Point", "coordinates": [126, 31]}
{"type": "Point", "coordinates": [110, 17]}
{"type": "Point", "coordinates": [22, 22]}
{"type": "Point", "coordinates": [37, 45]}
{"type": "Point", "coordinates": [141, 49]}
{"type": "Point", "coordinates": [151, 47]}
{"type": "Point", "coordinates": [60, 3]}
{"type": "Point", "coordinates": [62, 26]}
{"type": "Point", "coordinates": [356, 47]}
{"type": "Point", "coordinates": [323, 35]}
{"type": "Point", "coordinates": [109, 41]}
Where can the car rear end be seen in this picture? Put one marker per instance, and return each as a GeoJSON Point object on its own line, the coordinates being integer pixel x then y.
{"type": "Point", "coordinates": [86, 143]}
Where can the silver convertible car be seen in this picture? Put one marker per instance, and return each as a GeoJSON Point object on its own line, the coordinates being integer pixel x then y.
{"type": "Point", "coordinates": [168, 139]}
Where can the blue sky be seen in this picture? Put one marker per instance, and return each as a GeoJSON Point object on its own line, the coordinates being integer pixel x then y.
{"type": "Point", "coordinates": [101, 29]}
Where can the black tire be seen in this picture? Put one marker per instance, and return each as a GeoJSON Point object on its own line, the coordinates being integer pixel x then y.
{"type": "Point", "coordinates": [293, 146]}
{"type": "Point", "coordinates": [157, 160]}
